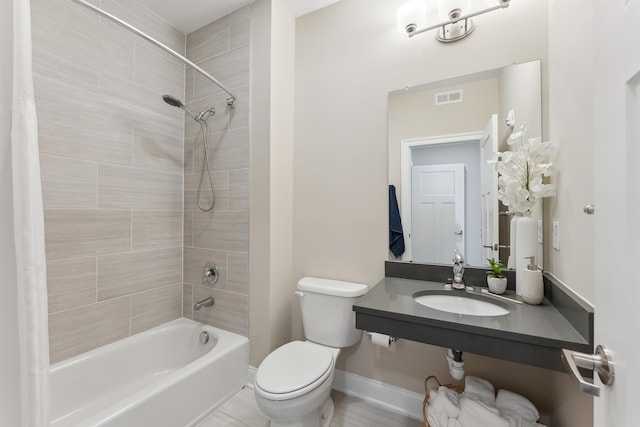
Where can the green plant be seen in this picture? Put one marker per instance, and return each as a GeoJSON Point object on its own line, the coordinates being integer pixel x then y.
{"type": "Point", "coordinates": [497, 269]}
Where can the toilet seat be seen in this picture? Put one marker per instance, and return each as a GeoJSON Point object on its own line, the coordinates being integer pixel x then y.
{"type": "Point", "coordinates": [293, 370]}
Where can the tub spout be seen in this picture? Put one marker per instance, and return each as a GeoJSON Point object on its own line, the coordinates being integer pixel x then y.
{"type": "Point", "coordinates": [207, 302]}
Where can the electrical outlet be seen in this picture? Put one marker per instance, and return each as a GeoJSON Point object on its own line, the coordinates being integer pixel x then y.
{"type": "Point", "coordinates": [556, 235]}
{"type": "Point", "coordinates": [539, 231]}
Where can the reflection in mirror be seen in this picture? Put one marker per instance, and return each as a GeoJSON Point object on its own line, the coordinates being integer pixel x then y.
{"type": "Point", "coordinates": [441, 135]}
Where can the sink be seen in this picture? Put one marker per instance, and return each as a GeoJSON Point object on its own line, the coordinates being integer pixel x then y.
{"type": "Point", "coordinates": [460, 304]}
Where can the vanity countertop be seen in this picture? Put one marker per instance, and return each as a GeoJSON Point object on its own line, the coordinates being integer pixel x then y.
{"type": "Point", "coordinates": [530, 334]}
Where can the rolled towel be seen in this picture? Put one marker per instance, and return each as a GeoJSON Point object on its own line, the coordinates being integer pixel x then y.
{"type": "Point", "coordinates": [437, 419]}
{"type": "Point", "coordinates": [514, 404]}
{"type": "Point", "coordinates": [476, 413]}
{"type": "Point", "coordinates": [479, 388]}
{"type": "Point", "coordinates": [444, 400]}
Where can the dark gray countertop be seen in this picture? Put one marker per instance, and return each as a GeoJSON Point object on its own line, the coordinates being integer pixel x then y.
{"type": "Point", "coordinates": [531, 334]}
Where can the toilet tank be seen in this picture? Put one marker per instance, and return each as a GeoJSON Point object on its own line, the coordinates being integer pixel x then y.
{"type": "Point", "coordinates": [327, 310]}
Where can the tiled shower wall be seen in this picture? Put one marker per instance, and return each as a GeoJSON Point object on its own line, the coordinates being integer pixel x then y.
{"type": "Point", "coordinates": [112, 172]}
{"type": "Point", "coordinates": [221, 236]}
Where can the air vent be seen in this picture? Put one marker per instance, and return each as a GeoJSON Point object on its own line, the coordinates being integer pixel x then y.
{"type": "Point", "coordinates": [449, 97]}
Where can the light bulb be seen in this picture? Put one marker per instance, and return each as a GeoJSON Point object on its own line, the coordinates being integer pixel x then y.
{"type": "Point", "coordinates": [411, 16]}
{"type": "Point", "coordinates": [446, 6]}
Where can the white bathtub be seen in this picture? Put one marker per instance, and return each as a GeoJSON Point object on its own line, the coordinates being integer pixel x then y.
{"type": "Point", "coordinates": [161, 377]}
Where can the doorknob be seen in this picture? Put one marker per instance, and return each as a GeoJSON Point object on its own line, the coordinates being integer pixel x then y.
{"type": "Point", "coordinates": [600, 362]}
{"type": "Point", "coordinates": [459, 232]}
{"type": "Point", "coordinates": [496, 246]}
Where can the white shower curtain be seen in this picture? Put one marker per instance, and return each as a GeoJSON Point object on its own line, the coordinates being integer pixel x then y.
{"type": "Point", "coordinates": [24, 358]}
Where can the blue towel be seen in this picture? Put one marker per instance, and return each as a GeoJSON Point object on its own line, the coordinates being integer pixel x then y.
{"type": "Point", "coordinates": [396, 237]}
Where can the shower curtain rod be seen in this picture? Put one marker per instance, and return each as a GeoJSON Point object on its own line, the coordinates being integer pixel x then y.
{"type": "Point", "coordinates": [230, 101]}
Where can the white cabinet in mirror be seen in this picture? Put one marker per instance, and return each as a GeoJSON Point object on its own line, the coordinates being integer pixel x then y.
{"type": "Point", "coordinates": [441, 135]}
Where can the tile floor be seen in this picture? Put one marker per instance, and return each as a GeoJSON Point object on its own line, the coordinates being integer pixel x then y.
{"type": "Point", "coordinates": [242, 411]}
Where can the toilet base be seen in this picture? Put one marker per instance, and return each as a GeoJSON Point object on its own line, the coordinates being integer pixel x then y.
{"type": "Point", "coordinates": [319, 418]}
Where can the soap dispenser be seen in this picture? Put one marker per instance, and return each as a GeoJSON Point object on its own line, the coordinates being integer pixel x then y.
{"type": "Point", "coordinates": [532, 287]}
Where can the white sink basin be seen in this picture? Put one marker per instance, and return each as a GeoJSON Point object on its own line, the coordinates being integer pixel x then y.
{"type": "Point", "coordinates": [460, 304]}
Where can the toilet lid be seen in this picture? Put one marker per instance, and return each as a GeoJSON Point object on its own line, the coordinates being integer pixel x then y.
{"type": "Point", "coordinates": [293, 366]}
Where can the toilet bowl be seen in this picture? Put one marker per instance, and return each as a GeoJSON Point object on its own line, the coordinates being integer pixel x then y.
{"type": "Point", "coordinates": [293, 383]}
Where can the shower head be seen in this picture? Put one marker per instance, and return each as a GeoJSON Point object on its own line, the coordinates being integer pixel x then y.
{"type": "Point", "coordinates": [175, 102]}
{"type": "Point", "coordinates": [172, 101]}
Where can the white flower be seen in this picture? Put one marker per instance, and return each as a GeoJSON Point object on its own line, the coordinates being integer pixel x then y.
{"type": "Point", "coordinates": [521, 172]}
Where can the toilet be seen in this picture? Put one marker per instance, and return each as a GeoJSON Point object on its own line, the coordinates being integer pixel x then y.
{"type": "Point", "coordinates": [293, 383]}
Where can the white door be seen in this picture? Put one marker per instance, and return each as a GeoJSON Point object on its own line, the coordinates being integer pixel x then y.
{"type": "Point", "coordinates": [437, 212]}
{"type": "Point", "coordinates": [617, 201]}
{"type": "Point", "coordinates": [489, 190]}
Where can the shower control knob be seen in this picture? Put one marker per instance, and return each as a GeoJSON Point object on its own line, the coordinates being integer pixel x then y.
{"type": "Point", "coordinates": [210, 274]}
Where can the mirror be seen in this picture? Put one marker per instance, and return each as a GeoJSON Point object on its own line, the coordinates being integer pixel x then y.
{"type": "Point", "coordinates": [441, 135]}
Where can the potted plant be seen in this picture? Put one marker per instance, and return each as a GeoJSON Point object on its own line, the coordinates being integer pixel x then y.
{"type": "Point", "coordinates": [496, 279]}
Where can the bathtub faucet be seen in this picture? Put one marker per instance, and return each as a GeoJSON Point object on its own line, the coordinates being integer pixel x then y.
{"type": "Point", "coordinates": [207, 302]}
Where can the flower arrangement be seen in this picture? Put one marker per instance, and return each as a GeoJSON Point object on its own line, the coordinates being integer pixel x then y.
{"type": "Point", "coordinates": [521, 172]}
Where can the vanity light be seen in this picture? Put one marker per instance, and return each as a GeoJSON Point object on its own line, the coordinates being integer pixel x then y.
{"type": "Point", "coordinates": [453, 17]}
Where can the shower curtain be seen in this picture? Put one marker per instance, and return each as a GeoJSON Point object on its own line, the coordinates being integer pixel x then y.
{"type": "Point", "coordinates": [24, 357]}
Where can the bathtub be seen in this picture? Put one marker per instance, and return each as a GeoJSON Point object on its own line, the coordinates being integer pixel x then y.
{"type": "Point", "coordinates": [164, 377]}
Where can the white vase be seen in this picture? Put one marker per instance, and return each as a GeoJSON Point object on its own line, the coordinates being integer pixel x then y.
{"type": "Point", "coordinates": [497, 285]}
{"type": "Point", "coordinates": [511, 261]}
{"type": "Point", "coordinates": [526, 246]}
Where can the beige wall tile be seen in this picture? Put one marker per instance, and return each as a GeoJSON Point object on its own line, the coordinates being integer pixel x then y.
{"type": "Point", "coordinates": [131, 188]}
{"type": "Point", "coordinates": [82, 329]}
{"type": "Point", "coordinates": [76, 133]}
{"type": "Point", "coordinates": [49, 61]}
{"type": "Point", "coordinates": [85, 232]}
{"type": "Point", "coordinates": [68, 183]}
{"type": "Point", "coordinates": [95, 84]}
{"type": "Point", "coordinates": [158, 70]}
{"type": "Point", "coordinates": [139, 104]}
{"type": "Point", "coordinates": [71, 283]}
{"type": "Point", "coordinates": [140, 17]}
{"type": "Point", "coordinates": [230, 68]}
{"type": "Point", "coordinates": [188, 228]}
{"type": "Point", "coordinates": [227, 150]}
{"type": "Point", "coordinates": [239, 116]}
{"type": "Point", "coordinates": [222, 230]}
{"type": "Point", "coordinates": [238, 273]}
{"type": "Point", "coordinates": [230, 311]}
{"type": "Point", "coordinates": [208, 41]}
{"type": "Point", "coordinates": [73, 15]}
{"type": "Point", "coordinates": [157, 151]}
{"type": "Point", "coordinates": [189, 162]}
{"type": "Point", "coordinates": [65, 93]}
{"type": "Point", "coordinates": [239, 189]}
{"type": "Point", "coordinates": [117, 53]}
{"type": "Point", "coordinates": [189, 85]}
{"type": "Point", "coordinates": [220, 188]}
{"type": "Point", "coordinates": [240, 27]}
{"type": "Point", "coordinates": [127, 273]}
{"type": "Point", "coordinates": [194, 261]}
{"type": "Point", "coordinates": [155, 307]}
{"type": "Point", "coordinates": [187, 301]}
{"type": "Point", "coordinates": [156, 229]}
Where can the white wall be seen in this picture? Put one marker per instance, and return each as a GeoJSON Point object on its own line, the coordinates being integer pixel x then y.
{"type": "Point", "coordinates": [271, 180]}
{"type": "Point", "coordinates": [570, 117]}
{"type": "Point", "coordinates": [348, 58]}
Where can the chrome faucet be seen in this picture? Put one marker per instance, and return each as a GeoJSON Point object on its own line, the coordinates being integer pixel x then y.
{"type": "Point", "coordinates": [207, 302]}
{"type": "Point", "coordinates": [458, 271]}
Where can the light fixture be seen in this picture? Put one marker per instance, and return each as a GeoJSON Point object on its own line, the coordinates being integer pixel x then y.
{"type": "Point", "coordinates": [453, 17]}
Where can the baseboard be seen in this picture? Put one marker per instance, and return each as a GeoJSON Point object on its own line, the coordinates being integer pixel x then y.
{"type": "Point", "coordinates": [377, 393]}
{"type": "Point", "coordinates": [251, 375]}
{"type": "Point", "coordinates": [392, 398]}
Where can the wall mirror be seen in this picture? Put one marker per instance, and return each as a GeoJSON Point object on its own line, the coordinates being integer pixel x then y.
{"type": "Point", "coordinates": [441, 135]}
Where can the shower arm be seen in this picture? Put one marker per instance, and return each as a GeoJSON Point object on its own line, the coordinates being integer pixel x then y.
{"type": "Point", "coordinates": [230, 100]}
